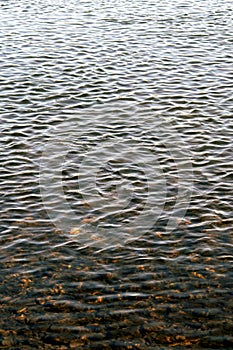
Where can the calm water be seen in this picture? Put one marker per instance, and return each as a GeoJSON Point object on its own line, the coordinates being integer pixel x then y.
{"type": "Point", "coordinates": [116, 174]}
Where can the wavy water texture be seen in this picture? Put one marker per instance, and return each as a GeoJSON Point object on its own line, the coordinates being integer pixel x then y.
{"type": "Point", "coordinates": [116, 174]}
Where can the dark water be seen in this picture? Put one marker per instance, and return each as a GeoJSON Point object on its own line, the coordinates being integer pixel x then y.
{"type": "Point", "coordinates": [116, 174]}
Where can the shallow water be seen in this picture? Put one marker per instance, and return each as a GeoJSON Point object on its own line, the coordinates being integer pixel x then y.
{"type": "Point", "coordinates": [116, 174]}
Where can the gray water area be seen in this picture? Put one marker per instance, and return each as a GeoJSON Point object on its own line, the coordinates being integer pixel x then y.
{"type": "Point", "coordinates": [116, 174]}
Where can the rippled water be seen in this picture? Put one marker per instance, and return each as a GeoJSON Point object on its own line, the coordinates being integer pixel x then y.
{"type": "Point", "coordinates": [116, 174]}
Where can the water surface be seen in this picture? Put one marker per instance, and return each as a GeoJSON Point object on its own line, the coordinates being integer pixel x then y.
{"type": "Point", "coordinates": [116, 123]}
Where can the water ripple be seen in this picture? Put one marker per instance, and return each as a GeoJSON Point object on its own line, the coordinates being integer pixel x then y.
{"type": "Point", "coordinates": [136, 97]}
